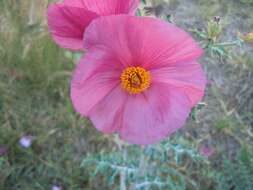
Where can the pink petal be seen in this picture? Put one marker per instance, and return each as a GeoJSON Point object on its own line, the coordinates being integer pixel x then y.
{"type": "Point", "coordinates": [75, 3]}
{"type": "Point", "coordinates": [187, 77]}
{"type": "Point", "coordinates": [93, 80]}
{"type": "Point", "coordinates": [106, 7]}
{"type": "Point", "coordinates": [152, 116]}
{"type": "Point", "coordinates": [67, 25]}
{"type": "Point", "coordinates": [107, 114]}
{"type": "Point", "coordinates": [143, 41]}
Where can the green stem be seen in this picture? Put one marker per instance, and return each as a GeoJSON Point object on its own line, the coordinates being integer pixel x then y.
{"type": "Point", "coordinates": [141, 169]}
{"type": "Point", "coordinates": [31, 16]}
{"type": "Point", "coordinates": [123, 176]}
{"type": "Point", "coordinates": [224, 44]}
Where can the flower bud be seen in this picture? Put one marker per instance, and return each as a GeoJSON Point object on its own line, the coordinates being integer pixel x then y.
{"type": "Point", "coordinates": [248, 38]}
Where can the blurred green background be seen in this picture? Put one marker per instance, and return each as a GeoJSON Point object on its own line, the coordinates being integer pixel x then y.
{"type": "Point", "coordinates": [34, 102]}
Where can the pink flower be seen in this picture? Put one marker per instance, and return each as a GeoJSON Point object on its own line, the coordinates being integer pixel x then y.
{"type": "Point", "coordinates": [139, 77]}
{"type": "Point", "coordinates": [206, 151]}
{"type": "Point", "coordinates": [67, 21]}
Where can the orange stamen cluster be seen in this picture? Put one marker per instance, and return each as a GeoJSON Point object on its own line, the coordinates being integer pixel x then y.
{"type": "Point", "coordinates": [135, 79]}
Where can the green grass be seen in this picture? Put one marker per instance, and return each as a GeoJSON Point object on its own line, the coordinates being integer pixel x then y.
{"type": "Point", "coordinates": [34, 100]}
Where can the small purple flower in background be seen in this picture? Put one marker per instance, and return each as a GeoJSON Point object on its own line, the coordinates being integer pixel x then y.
{"type": "Point", "coordinates": [206, 151]}
{"type": "Point", "coordinates": [3, 150]}
{"type": "Point", "coordinates": [26, 141]}
{"type": "Point", "coordinates": [56, 187]}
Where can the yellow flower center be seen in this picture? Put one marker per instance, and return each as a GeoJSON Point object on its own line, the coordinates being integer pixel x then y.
{"type": "Point", "coordinates": [135, 79]}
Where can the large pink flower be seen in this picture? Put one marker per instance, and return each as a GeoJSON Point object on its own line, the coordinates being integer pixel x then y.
{"type": "Point", "coordinates": [68, 20]}
{"type": "Point", "coordinates": [139, 78]}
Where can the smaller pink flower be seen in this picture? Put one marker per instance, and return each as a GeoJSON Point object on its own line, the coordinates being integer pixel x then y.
{"type": "Point", "coordinates": [206, 151]}
{"type": "Point", "coordinates": [67, 21]}
{"type": "Point", "coordinates": [140, 77]}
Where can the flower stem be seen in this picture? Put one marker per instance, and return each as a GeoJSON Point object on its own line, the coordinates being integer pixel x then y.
{"type": "Point", "coordinates": [141, 170]}
{"type": "Point", "coordinates": [224, 44]}
{"type": "Point", "coordinates": [123, 176]}
{"type": "Point", "coordinates": [31, 16]}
